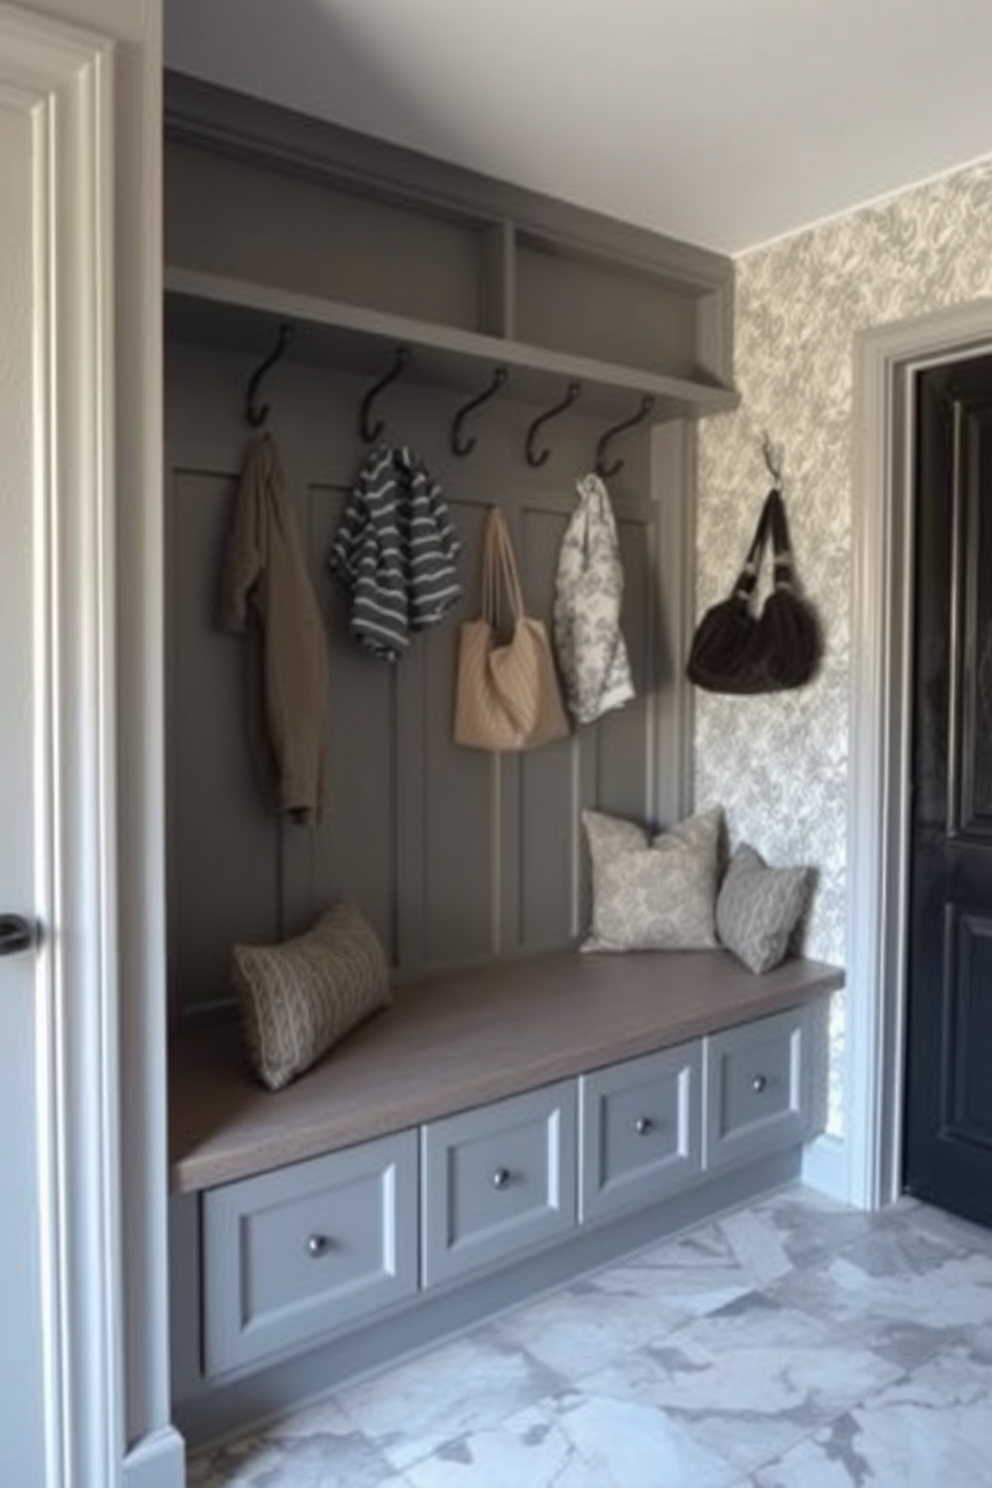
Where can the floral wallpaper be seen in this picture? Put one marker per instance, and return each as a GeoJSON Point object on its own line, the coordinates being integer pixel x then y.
{"type": "Point", "coordinates": [778, 764]}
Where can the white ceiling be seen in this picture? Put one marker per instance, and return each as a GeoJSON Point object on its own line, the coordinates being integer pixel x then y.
{"type": "Point", "coordinates": [723, 122]}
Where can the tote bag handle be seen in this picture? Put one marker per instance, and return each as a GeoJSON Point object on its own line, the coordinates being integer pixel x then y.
{"type": "Point", "coordinates": [500, 579]}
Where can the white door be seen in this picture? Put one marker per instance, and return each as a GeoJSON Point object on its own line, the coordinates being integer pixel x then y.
{"type": "Point", "coordinates": [58, 1275]}
{"type": "Point", "coordinates": [22, 1362]}
{"type": "Point", "coordinates": [22, 1355]}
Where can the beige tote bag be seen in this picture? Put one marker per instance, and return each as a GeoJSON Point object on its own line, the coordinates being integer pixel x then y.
{"type": "Point", "coordinates": [506, 690]}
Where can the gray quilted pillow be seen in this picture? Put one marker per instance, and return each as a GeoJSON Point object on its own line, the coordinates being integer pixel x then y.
{"type": "Point", "coordinates": [652, 894]}
{"type": "Point", "coordinates": [303, 995]}
{"type": "Point", "coordinates": [758, 908]}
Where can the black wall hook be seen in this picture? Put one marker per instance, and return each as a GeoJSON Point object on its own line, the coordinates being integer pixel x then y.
{"type": "Point", "coordinates": [371, 431]}
{"type": "Point", "coordinates": [602, 469]}
{"type": "Point", "coordinates": [534, 455]}
{"type": "Point", "coordinates": [459, 444]}
{"type": "Point", "coordinates": [254, 413]}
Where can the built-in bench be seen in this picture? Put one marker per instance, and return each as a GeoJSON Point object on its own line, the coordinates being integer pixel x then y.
{"type": "Point", "coordinates": [493, 1132]}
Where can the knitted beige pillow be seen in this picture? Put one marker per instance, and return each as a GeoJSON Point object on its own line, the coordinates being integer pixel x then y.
{"type": "Point", "coordinates": [299, 998]}
{"type": "Point", "coordinates": [652, 894]}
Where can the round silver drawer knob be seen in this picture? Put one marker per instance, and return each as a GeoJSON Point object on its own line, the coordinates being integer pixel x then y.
{"type": "Point", "coordinates": [318, 1245]}
{"type": "Point", "coordinates": [501, 1177]}
{"type": "Point", "coordinates": [643, 1125]}
{"type": "Point", "coordinates": [759, 1084]}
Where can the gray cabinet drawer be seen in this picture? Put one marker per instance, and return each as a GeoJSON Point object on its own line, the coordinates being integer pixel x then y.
{"type": "Point", "coordinates": [640, 1126]}
{"type": "Point", "coordinates": [757, 1084]}
{"type": "Point", "coordinates": [498, 1180]}
{"type": "Point", "coordinates": [302, 1252]}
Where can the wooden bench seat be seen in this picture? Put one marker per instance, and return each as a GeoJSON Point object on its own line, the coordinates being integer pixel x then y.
{"type": "Point", "coordinates": [453, 1041]}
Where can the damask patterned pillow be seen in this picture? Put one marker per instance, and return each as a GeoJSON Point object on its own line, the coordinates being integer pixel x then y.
{"type": "Point", "coordinates": [758, 908]}
{"type": "Point", "coordinates": [652, 894]}
{"type": "Point", "coordinates": [300, 997]}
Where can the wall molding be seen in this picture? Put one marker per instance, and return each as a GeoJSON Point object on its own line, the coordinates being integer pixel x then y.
{"type": "Point", "coordinates": [673, 490]}
{"type": "Point", "coordinates": [887, 362]}
{"type": "Point", "coordinates": [826, 1168]}
{"type": "Point", "coordinates": [157, 1461]}
{"type": "Point", "coordinates": [141, 885]}
{"type": "Point", "coordinates": [63, 79]}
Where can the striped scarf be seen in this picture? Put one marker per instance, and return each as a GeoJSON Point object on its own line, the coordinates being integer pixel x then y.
{"type": "Point", "coordinates": [395, 548]}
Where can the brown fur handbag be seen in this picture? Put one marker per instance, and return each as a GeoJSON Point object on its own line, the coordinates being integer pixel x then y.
{"type": "Point", "coordinates": [736, 651]}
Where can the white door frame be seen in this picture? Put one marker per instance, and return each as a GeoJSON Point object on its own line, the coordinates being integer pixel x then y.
{"type": "Point", "coordinates": [887, 363]}
{"type": "Point", "coordinates": [61, 79]}
{"type": "Point", "coordinates": [92, 101]}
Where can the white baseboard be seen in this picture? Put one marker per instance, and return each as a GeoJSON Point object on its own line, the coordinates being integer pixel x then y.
{"type": "Point", "coordinates": [826, 1167]}
{"type": "Point", "coordinates": [157, 1461]}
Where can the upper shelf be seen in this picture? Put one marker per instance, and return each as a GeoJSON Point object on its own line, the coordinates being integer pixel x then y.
{"type": "Point", "coordinates": [364, 247]}
{"type": "Point", "coordinates": [220, 311]}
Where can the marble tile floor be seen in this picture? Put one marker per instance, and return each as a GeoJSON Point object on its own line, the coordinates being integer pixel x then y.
{"type": "Point", "coordinates": [791, 1344]}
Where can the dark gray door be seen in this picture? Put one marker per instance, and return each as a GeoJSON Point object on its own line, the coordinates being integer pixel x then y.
{"type": "Point", "coordinates": [948, 1113]}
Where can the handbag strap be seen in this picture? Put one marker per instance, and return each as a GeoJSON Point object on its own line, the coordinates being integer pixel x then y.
{"type": "Point", "coordinates": [508, 562]}
{"type": "Point", "coordinates": [748, 576]}
{"type": "Point", "coordinates": [500, 579]}
{"type": "Point", "coordinates": [781, 546]}
{"type": "Point", "coordinates": [490, 564]}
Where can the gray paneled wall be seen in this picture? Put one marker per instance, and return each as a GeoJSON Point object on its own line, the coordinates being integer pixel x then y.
{"type": "Point", "coordinates": [455, 855]}
{"type": "Point", "coordinates": [231, 216]}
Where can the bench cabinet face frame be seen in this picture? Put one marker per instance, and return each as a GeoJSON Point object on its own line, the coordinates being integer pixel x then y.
{"type": "Point", "coordinates": [758, 1084]}
{"type": "Point", "coordinates": [305, 1252]}
{"type": "Point", "coordinates": [641, 1136]}
{"type": "Point", "coordinates": [316, 1250]}
{"type": "Point", "coordinates": [498, 1181]}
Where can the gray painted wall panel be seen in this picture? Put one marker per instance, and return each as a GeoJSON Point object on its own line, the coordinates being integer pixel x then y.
{"type": "Point", "coordinates": [355, 848]}
{"type": "Point", "coordinates": [587, 308]}
{"type": "Point", "coordinates": [455, 791]}
{"type": "Point", "coordinates": [506, 811]}
{"type": "Point", "coordinates": [546, 798]}
{"type": "Point", "coordinates": [547, 846]}
{"type": "Point", "coordinates": [224, 848]}
{"type": "Point", "coordinates": [460, 860]}
{"type": "Point", "coordinates": [232, 217]}
{"type": "Point", "coordinates": [498, 284]}
{"type": "Point", "coordinates": [248, 128]}
{"type": "Point", "coordinates": [453, 855]}
{"type": "Point", "coordinates": [624, 738]}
